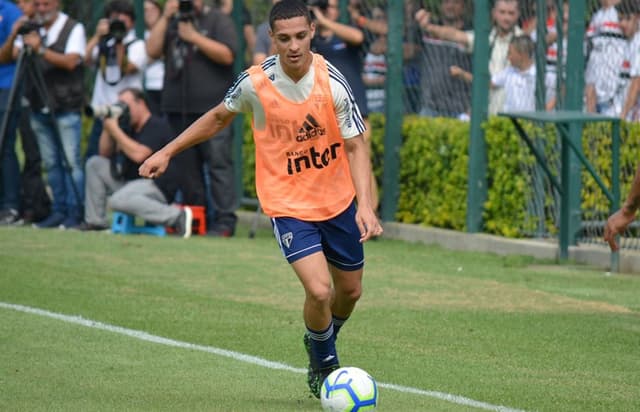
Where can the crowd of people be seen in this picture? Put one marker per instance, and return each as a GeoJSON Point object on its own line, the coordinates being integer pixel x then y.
{"type": "Point", "coordinates": [186, 41]}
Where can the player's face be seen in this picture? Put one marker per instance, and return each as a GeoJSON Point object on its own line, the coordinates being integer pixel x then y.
{"type": "Point", "coordinates": [292, 41]}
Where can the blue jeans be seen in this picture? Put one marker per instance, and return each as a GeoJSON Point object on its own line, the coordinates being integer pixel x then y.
{"type": "Point", "coordinates": [9, 166]}
{"type": "Point", "coordinates": [65, 199]}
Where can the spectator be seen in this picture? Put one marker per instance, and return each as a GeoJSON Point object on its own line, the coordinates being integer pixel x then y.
{"type": "Point", "coordinates": [120, 58]}
{"type": "Point", "coordinates": [128, 139]}
{"type": "Point", "coordinates": [505, 14]}
{"type": "Point", "coordinates": [341, 44]}
{"type": "Point", "coordinates": [34, 201]}
{"type": "Point", "coordinates": [263, 46]}
{"type": "Point", "coordinates": [248, 31]}
{"type": "Point", "coordinates": [519, 78]}
{"type": "Point", "coordinates": [9, 168]}
{"type": "Point", "coordinates": [154, 71]}
{"type": "Point", "coordinates": [58, 47]}
{"type": "Point", "coordinates": [627, 96]}
{"type": "Point", "coordinates": [551, 72]}
{"type": "Point", "coordinates": [375, 66]}
{"type": "Point", "coordinates": [199, 50]}
{"type": "Point", "coordinates": [442, 94]}
{"type": "Point", "coordinates": [607, 46]}
{"type": "Point", "coordinates": [148, 199]}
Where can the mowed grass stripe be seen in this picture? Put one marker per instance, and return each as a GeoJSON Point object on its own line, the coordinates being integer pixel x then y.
{"type": "Point", "coordinates": [144, 336]}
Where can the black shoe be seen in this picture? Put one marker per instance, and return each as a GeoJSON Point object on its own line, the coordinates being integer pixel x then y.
{"type": "Point", "coordinates": [315, 375]}
{"type": "Point", "coordinates": [185, 222]}
{"type": "Point", "coordinates": [87, 227]}
{"type": "Point", "coordinates": [220, 232]}
{"type": "Point", "coordinates": [53, 220]}
{"type": "Point", "coordinates": [315, 378]}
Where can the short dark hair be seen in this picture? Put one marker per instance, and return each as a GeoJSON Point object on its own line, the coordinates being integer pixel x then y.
{"type": "Point", "coordinates": [138, 94]}
{"type": "Point", "coordinates": [628, 7]}
{"type": "Point", "coordinates": [288, 9]}
{"type": "Point", "coordinates": [121, 7]}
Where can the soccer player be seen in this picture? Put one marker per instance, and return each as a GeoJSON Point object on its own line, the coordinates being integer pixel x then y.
{"type": "Point", "coordinates": [312, 167]}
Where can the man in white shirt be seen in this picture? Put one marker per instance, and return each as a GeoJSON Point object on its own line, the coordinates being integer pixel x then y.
{"type": "Point", "coordinates": [119, 60]}
{"type": "Point", "coordinates": [605, 59]}
{"type": "Point", "coordinates": [505, 14]}
{"type": "Point", "coordinates": [518, 80]}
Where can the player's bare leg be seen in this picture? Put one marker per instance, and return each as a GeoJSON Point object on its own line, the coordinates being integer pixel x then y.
{"type": "Point", "coordinates": [319, 340]}
{"type": "Point", "coordinates": [347, 292]}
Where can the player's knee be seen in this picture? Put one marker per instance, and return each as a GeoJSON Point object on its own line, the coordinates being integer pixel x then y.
{"type": "Point", "coordinates": [353, 293]}
{"type": "Point", "coordinates": [320, 296]}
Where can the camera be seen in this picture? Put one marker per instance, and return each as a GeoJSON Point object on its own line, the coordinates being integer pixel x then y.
{"type": "Point", "coordinates": [116, 110]}
{"type": "Point", "coordinates": [117, 30]}
{"type": "Point", "coordinates": [185, 10]}
{"type": "Point", "coordinates": [119, 110]}
{"type": "Point", "coordinates": [28, 26]}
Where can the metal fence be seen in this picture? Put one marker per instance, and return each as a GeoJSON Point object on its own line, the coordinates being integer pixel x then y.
{"type": "Point", "coordinates": [434, 79]}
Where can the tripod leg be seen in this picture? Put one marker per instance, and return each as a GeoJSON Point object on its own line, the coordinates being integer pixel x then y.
{"type": "Point", "coordinates": [13, 97]}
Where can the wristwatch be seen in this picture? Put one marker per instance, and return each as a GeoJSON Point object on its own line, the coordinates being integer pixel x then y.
{"type": "Point", "coordinates": [42, 50]}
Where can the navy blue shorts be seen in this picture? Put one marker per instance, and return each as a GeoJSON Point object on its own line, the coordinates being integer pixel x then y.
{"type": "Point", "coordinates": [338, 238]}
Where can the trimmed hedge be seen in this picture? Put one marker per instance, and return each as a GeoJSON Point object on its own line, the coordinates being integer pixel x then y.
{"type": "Point", "coordinates": [433, 171]}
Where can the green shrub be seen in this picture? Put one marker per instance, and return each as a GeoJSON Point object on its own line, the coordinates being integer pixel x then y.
{"type": "Point", "coordinates": [433, 175]}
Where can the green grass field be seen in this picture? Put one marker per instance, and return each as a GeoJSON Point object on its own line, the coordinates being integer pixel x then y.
{"type": "Point", "coordinates": [100, 322]}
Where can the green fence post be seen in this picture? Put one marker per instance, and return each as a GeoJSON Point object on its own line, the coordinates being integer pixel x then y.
{"type": "Point", "coordinates": [541, 50]}
{"type": "Point", "coordinates": [394, 111]}
{"type": "Point", "coordinates": [238, 122]}
{"type": "Point", "coordinates": [615, 183]}
{"type": "Point", "coordinates": [477, 183]}
{"type": "Point", "coordinates": [571, 210]}
{"type": "Point", "coordinates": [138, 6]}
{"type": "Point", "coordinates": [97, 8]}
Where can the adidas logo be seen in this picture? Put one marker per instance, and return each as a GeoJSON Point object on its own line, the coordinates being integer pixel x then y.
{"type": "Point", "coordinates": [310, 130]}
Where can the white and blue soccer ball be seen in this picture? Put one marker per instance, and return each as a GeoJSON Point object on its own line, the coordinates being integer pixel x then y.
{"type": "Point", "coordinates": [349, 389]}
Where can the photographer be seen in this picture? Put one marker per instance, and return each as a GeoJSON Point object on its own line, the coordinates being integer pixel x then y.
{"type": "Point", "coordinates": [199, 46]}
{"type": "Point", "coordinates": [146, 198]}
{"type": "Point", "coordinates": [56, 45]}
{"type": "Point", "coordinates": [132, 133]}
{"type": "Point", "coordinates": [119, 58]}
{"type": "Point", "coordinates": [9, 168]}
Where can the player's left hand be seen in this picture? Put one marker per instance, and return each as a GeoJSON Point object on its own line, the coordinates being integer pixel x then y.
{"type": "Point", "coordinates": [368, 224]}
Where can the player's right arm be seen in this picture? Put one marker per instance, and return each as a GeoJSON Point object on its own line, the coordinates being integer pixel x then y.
{"type": "Point", "coordinates": [209, 124]}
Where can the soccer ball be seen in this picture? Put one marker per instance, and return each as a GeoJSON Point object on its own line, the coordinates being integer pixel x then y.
{"type": "Point", "coordinates": [349, 389]}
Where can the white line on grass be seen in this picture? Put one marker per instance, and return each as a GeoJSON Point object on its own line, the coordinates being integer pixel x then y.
{"type": "Point", "coordinates": [79, 320]}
